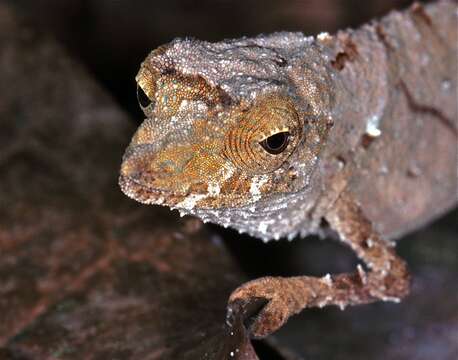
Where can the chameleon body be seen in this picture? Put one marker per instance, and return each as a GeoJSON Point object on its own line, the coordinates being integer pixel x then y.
{"type": "Point", "coordinates": [284, 135]}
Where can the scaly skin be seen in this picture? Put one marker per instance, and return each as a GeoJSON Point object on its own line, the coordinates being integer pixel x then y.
{"type": "Point", "coordinates": [282, 135]}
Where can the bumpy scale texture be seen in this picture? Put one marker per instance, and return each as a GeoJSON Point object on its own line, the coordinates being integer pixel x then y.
{"type": "Point", "coordinates": [213, 110]}
{"type": "Point", "coordinates": [283, 135]}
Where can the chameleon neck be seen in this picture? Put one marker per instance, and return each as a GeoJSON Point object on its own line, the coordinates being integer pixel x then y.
{"type": "Point", "coordinates": [391, 93]}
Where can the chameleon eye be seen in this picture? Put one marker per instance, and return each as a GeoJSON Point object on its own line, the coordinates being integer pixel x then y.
{"type": "Point", "coordinates": [277, 143]}
{"type": "Point", "coordinates": [247, 144]}
{"type": "Point", "coordinates": [143, 99]}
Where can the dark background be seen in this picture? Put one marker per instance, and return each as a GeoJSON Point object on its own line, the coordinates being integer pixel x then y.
{"type": "Point", "coordinates": [112, 37]}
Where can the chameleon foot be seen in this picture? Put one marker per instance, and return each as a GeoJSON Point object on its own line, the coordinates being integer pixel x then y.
{"type": "Point", "coordinates": [387, 278]}
{"type": "Point", "coordinates": [270, 303]}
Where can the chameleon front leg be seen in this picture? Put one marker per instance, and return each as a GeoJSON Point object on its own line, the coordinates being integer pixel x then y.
{"type": "Point", "coordinates": [387, 277]}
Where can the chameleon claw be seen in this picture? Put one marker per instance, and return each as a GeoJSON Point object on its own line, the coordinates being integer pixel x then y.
{"type": "Point", "coordinates": [263, 304]}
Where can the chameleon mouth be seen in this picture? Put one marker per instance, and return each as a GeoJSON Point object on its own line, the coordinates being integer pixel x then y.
{"type": "Point", "coordinates": [143, 180]}
{"type": "Point", "coordinates": [140, 192]}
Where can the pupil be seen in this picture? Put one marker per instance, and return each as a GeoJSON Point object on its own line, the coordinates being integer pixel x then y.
{"type": "Point", "coordinates": [276, 143]}
{"type": "Point", "coordinates": [143, 99]}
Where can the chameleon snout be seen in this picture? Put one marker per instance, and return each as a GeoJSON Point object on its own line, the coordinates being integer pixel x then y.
{"type": "Point", "coordinates": [159, 170]}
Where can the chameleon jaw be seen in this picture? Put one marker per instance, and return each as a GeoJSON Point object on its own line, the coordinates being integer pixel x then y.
{"type": "Point", "coordinates": [147, 195]}
{"type": "Point", "coordinates": [209, 199]}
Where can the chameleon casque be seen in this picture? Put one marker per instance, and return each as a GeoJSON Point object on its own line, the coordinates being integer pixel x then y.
{"type": "Point", "coordinates": [284, 135]}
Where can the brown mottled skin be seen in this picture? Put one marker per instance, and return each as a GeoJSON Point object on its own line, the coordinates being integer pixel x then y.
{"type": "Point", "coordinates": [285, 135]}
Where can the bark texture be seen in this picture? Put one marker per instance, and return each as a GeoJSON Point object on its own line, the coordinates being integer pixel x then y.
{"type": "Point", "coordinates": [86, 273]}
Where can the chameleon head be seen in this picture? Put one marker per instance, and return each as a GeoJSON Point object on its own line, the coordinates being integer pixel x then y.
{"type": "Point", "coordinates": [226, 132]}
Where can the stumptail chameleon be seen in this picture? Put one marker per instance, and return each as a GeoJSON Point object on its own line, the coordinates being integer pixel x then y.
{"type": "Point", "coordinates": [284, 135]}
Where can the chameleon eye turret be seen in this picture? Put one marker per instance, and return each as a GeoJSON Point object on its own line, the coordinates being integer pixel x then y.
{"type": "Point", "coordinates": [265, 136]}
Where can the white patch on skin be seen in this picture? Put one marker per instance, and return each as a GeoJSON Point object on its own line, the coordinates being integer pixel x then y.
{"type": "Point", "coordinates": [362, 274]}
{"type": "Point", "coordinates": [190, 201]}
{"type": "Point", "coordinates": [373, 120]}
{"type": "Point", "coordinates": [325, 302]}
{"type": "Point", "coordinates": [312, 88]}
{"type": "Point", "coordinates": [202, 106]}
{"type": "Point", "coordinates": [372, 127]}
{"type": "Point", "coordinates": [213, 189]}
{"type": "Point", "coordinates": [392, 299]}
{"type": "Point", "coordinates": [256, 184]}
{"type": "Point", "coordinates": [227, 173]}
{"type": "Point", "coordinates": [323, 36]}
{"type": "Point", "coordinates": [262, 227]}
{"type": "Point", "coordinates": [183, 105]}
{"type": "Point", "coordinates": [327, 280]}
